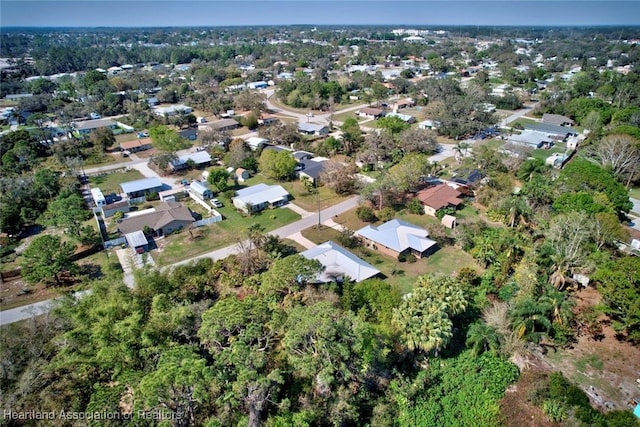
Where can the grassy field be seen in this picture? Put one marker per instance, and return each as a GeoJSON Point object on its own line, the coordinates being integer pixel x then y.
{"type": "Point", "coordinates": [447, 260]}
{"type": "Point", "coordinates": [635, 193]}
{"type": "Point", "coordinates": [232, 228]}
{"type": "Point", "coordinates": [110, 183]}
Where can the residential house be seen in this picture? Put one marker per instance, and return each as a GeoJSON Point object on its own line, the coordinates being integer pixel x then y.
{"type": "Point", "coordinates": [259, 197]}
{"type": "Point", "coordinates": [397, 237]}
{"type": "Point", "coordinates": [172, 110]}
{"type": "Point", "coordinates": [312, 169]}
{"type": "Point", "coordinates": [85, 127]}
{"type": "Point", "coordinates": [532, 139]}
{"type": "Point", "coordinates": [428, 124]}
{"type": "Point", "coordinates": [302, 155]}
{"type": "Point", "coordinates": [241, 174]}
{"type": "Point", "coordinates": [164, 219]}
{"type": "Point", "coordinates": [111, 209]}
{"type": "Point", "coordinates": [313, 129]}
{"type": "Point", "coordinates": [258, 85]}
{"type": "Point", "coordinates": [200, 159]}
{"type": "Point", "coordinates": [339, 264]}
{"type": "Point", "coordinates": [191, 134]}
{"type": "Point", "coordinates": [372, 113]}
{"type": "Point", "coordinates": [222, 124]}
{"type": "Point", "coordinates": [173, 194]}
{"type": "Point", "coordinates": [404, 117]}
{"type": "Point", "coordinates": [404, 103]}
{"type": "Point", "coordinates": [267, 119]}
{"type": "Point", "coordinates": [256, 143]}
{"type": "Point", "coordinates": [201, 190]}
{"type": "Point", "coordinates": [556, 160]}
{"type": "Point", "coordinates": [136, 145]}
{"type": "Point", "coordinates": [556, 119]}
{"type": "Point", "coordinates": [553, 131]}
{"type": "Point", "coordinates": [140, 187]}
{"type": "Point", "coordinates": [437, 197]}
{"type": "Point", "coordinates": [137, 241]}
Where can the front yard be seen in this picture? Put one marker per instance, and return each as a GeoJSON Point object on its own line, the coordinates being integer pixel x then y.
{"type": "Point", "coordinates": [229, 231]}
{"type": "Point", "coordinates": [110, 182]}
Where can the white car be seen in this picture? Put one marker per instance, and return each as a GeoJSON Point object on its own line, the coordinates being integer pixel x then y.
{"type": "Point", "coordinates": [216, 203]}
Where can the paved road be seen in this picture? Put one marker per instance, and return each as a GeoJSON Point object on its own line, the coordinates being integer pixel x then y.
{"type": "Point", "coordinates": [32, 310]}
{"type": "Point", "coordinates": [515, 116]}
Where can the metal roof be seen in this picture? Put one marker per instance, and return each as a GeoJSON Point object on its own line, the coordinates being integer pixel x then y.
{"type": "Point", "coordinates": [140, 185]}
{"type": "Point", "coordinates": [310, 127]}
{"type": "Point", "coordinates": [339, 262]}
{"type": "Point", "coordinates": [94, 124]}
{"type": "Point", "coordinates": [398, 235]}
{"type": "Point", "coordinates": [199, 187]}
{"type": "Point", "coordinates": [136, 239]}
{"type": "Point", "coordinates": [550, 129]}
{"type": "Point", "coordinates": [261, 193]}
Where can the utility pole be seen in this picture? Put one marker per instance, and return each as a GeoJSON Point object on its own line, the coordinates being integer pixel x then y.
{"type": "Point", "coordinates": [315, 181]}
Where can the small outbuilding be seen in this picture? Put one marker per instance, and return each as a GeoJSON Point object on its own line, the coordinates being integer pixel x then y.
{"type": "Point", "coordinates": [137, 241]}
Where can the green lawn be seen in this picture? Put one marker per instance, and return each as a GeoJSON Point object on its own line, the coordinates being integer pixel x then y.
{"type": "Point", "coordinates": [229, 231]}
{"type": "Point", "coordinates": [635, 193]}
{"type": "Point", "coordinates": [447, 260]}
{"type": "Point", "coordinates": [110, 183]}
{"type": "Point", "coordinates": [105, 160]}
{"type": "Point", "coordinates": [542, 154]}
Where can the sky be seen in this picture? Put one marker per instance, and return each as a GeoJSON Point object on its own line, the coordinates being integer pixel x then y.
{"type": "Point", "coordinates": [164, 13]}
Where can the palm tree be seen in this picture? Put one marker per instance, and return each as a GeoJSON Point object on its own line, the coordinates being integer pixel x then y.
{"type": "Point", "coordinates": [482, 338]}
{"type": "Point", "coordinates": [531, 319]}
{"type": "Point", "coordinates": [561, 307]}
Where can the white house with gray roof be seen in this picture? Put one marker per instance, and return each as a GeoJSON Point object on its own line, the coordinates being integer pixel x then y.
{"type": "Point", "coordinates": [339, 264]}
{"type": "Point", "coordinates": [397, 237]}
{"type": "Point", "coordinates": [259, 197]}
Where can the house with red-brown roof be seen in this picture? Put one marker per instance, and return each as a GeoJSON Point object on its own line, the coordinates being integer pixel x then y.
{"type": "Point", "coordinates": [438, 197]}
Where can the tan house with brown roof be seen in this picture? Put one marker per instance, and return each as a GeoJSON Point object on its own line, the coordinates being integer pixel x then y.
{"type": "Point", "coordinates": [136, 145]}
{"type": "Point", "coordinates": [166, 218]}
{"type": "Point", "coordinates": [438, 197]}
{"type": "Point", "coordinates": [373, 113]}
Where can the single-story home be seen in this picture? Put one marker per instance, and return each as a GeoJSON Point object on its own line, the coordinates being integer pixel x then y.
{"type": "Point", "coordinates": [556, 119]}
{"type": "Point", "coordinates": [241, 174]}
{"type": "Point", "coordinates": [172, 110]}
{"type": "Point", "coordinates": [339, 264]}
{"type": "Point", "coordinates": [258, 85]}
{"type": "Point", "coordinates": [404, 103]}
{"type": "Point", "coordinates": [256, 143]}
{"type": "Point", "coordinates": [397, 237]}
{"type": "Point", "coordinates": [373, 113]}
{"type": "Point", "coordinates": [267, 119]}
{"type": "Point", "coordinates": [137, 241]}
{"type": "Point", "coordinates": [428, 124]}
{"type": "Point", "coordinates": [313, 129]}
{"type": "Point", "coordinates": [404, 117]}
{"type": "Point", "coordinates": [173, 194]}
{"type": "Point", "coordinates": [438, 197]}
{"type": "Point", "coordinates": [222, 124]}
{"type": "Point", "coordinates": [140, 187]}
{"type": "Point", "coordinates": [85, 127]}
{"type": "Point", "coordinates": [259, 197]}
{"type": "Point", "coordinates": [201, 190]}
{"type": "Point", "coordinates": [302, 155]}
{"type": "Point", "coordinates": [111, 209]}
{"type": "Point", "coordinates": [312, 169]}
{"type": "Point", "coordinates": [553, 131]}
{"type": "Point", "coordinates": [164, 219]}
{"type": "Point", "coordinates": [199, 158]}
{"type": "Point", "coordinates": [136, 145]}
{"type": "Point", "coordinates": [191, 134]}
{"type": "Point", "coordinates": [531, 138]}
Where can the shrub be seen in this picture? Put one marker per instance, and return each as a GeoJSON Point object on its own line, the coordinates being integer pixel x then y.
{"type": "Point", "coordinates": [411, 258]}
{"type": "Point", "coordinates": [365, 213]}
{"type": "Point", "coordinates": [555, 410]}
{"type": "Point", "coordinates": [151, 196]}
{"type": "Point", "coordinates": [386, 214]}
{"type": "Point", "coordinates": [402, 257]}
{"type": "Point", "coordinates": [348, 239]}
{"type": "Point", "coordinates": [415, 207]}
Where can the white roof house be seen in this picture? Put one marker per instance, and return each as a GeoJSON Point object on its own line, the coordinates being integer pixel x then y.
{"type": "Point", "coordinates": [339, 263]}
{"type": "Point", "coordinates": [255, 142]}
{"type": "Point", "coordinates": [141, 186]}
{"type": "Point", "coordinates": [259, 197]}
{"type": "Point", "coordinates": [172, 110]}
{"type": "Point", "coordinates": [531, 138]}
{"type": "Point", "coordinates": [200, 158]}
{"type": "Point", "coordinates": [398, 236]}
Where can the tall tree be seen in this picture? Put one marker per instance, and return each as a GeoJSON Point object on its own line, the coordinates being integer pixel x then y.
{"type": "Point", "coordinates": [47, 257]}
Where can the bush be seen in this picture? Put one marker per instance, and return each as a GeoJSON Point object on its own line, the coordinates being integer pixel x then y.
{"type": "Point", "coordinates": [386, 214]}
{"type": "Point", "coordinates": [151, 196]}
{"type": "Point", "coordinates": [365, 213]}
{"type": "Point", "coordinates": [411, 258]}
{"type": "Point", "coordinates": [555, 410]}
{"type": "Point", "coordinates": [415, 207]}
{"type": "Point", "coordinates": [402, 257]}
{"type": "Point", "coordinates": [348, 239]}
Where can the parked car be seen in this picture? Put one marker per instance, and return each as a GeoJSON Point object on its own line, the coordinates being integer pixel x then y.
{"type": "Point", "coordinates": [216, 203]}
